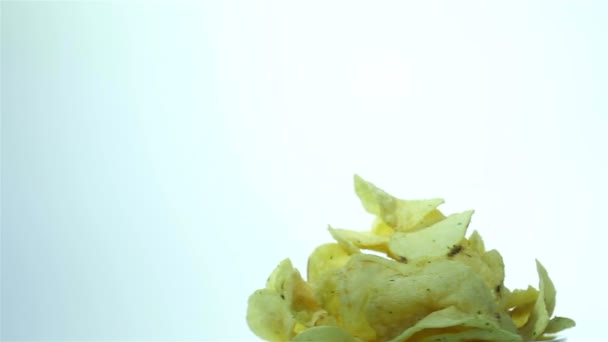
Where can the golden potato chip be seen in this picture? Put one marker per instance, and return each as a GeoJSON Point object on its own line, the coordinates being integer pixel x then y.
{"type": "Point", "coordinates": [436, 240]}
{"type": "Point", "coordinates": [401, 215]}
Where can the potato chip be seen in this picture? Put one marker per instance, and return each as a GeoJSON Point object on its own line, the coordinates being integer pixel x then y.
{"type": "Point", "coordinates": [430, 219]}
{"type": "Point", "coordinates": [488, 266]}
{"type": "Point", "coordinates": [325, 334]}
{"type": "Point", "coordinates": [475, 242]}
{"type": "Point", "coordinates": [286, 294]}
{"type": "Point", "coordinates": [325, 289]}
{"type": "Point", "coordinates": [433, 285]}
{"type": "Point", "coordinates": [546, 287]}
{"type": "Point", "coordinates": [324, 258]}
{"type": "Point", "coordinates": [380, 228]}
{"type": "Point", "coordinates": [436, 240]}
{"type": "Point", "coordinates": [557, 324]}
{"type": "Point", "coordinates": [360, 240]}
{"type": "Point", "coordinates": [431, 327]}
{"type": "Point", "coordinates": [494, 335]}
{"type": "Point", "coordinates": [545, 302]}
{"type": "Point", "coordinates": [521, 314]}
{"type": "Point", "coordinates": [521, 297]}
{"type": "Point", "coordinates": [372, 308]}
{"type": "Point", "coordinates": [401, 215]}
{"type": "Point", "coordinates": [287, 282]}
{"type": "Point", "coordinates": [269, 317]}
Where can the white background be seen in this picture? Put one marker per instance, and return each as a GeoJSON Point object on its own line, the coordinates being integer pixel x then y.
{"type": "Point", "coordinates": [160, 158]}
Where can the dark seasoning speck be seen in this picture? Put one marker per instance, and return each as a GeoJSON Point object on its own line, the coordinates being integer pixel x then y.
{"type": "Point", "coordinates": [455, 250]}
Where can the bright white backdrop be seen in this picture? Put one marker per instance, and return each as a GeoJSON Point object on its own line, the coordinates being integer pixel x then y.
{"type": "Point", "coordinates": [159, 159]}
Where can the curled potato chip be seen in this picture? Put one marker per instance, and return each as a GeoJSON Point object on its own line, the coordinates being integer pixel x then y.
{"type": "Point", "coordinates": [434, 327]}
{"type": "Point", "coordinates": [557, 324]}
{"type": "Point", "coordinates": [488, 266]}
{"type": "Point", "coordinates": [519, 297]}
{"type": "Point", "coordinates": [401, 215]}
{"type": "Point", "coordinates": [324, 258]}
{"type": "Point", "coordinates": [285, 306]}
{"type": "Point", "coordinates": [521, 314]}
{"type": "Point", "coordinates": [380, 228]}
{"type": "Point", "coordinates": [546, 287]}
{"type": "Point", "coordinates": [430, 219]}
{"type": "Point", "coordinates": [475, 242]}
{"type": "Point", "coordinates": [434, 241]}
{"type": "Point", "coordinates": [438, 286]}
{"type": "Point", "coordinates": [269, 316]}
{"type": "Point", "coordinates": [372, 308]}
{"type": "Point", "coordinates": [360, 240]}
{"type": "Point", "coordinates": [287, 282]}
{"type": "Point", "coordinates": [540, 315]}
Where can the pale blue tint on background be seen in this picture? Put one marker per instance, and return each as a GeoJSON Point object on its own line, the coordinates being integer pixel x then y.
{"type": "Point", "coordinates": [159, 159]}
{"type": "Point", "coordinates": [91, 245]}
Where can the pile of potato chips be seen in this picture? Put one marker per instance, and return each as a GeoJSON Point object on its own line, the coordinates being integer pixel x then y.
{"type": "Point", "coordinates": [434, 285]}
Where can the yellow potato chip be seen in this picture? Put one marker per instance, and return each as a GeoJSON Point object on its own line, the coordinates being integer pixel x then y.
{"type": "Point", "coordinates": [430, 219]}
{"type": "Point", "coordinates": [436, 284]}
{"type": "Point", "coordinates": [520, 297]}
{"type": "Point", "coordinates": [325, 289]}
{"type": "Point", "coordinates": [324, 258]}
{"type": "Point", "coordinates": [488, 266]}
{"type": "Point", "coordinates": [380, 228]}
{"type": "Point", "coordinates": [399, 295]}
{"type": "Point", "coordinates": [497, 268]}
{"type": "Point", "coordinates": [539, 317]}
{"type": "Point", "coordinates": [325, 334]}
{"type": "Point", "coordinates": [360, 240]}
{"type": "Point", "coordinates": [436, 240]}
{"type": "Point", "coordinates": [546, 287]}
{"type": "Point", "coordinates": [287, 282]}
{"type": "Point", "coordinates": [521, 314]}
{"type": "Point", "coordinates": [475, 242]}
{"type": "Point", "coordinates": [285, 292]}
{"type": "Point", "coordinates": [478, 335]}
{"type": "Point", "coordinates": [432, 326]}
{"type": "Point", "coordinates": [557, 324]}
{"type": "Point", "coordinates": [269, 316]}
{"type": "Point", "coordinates": [401, 215]}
